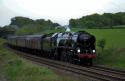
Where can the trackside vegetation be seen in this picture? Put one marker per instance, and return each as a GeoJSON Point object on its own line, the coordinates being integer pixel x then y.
{"type": "Point", "coordinates": [15, 68]}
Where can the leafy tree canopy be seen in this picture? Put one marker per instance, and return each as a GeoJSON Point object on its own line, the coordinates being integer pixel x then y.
{"type": "Point", "coordinates": [100, 21]}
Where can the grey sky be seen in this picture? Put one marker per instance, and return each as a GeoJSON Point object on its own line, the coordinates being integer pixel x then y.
{"type": "Point", "coordinates": [59, 11]}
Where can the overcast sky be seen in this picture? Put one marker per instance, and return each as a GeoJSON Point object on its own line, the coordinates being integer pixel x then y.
{"type": "Point", "coordinates": [59, 11]}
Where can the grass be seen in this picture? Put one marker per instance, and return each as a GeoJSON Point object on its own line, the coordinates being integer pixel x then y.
{"type": "Point", "coordinates": [15, 68]}
{"type": "Point", "coordinates": [114, 58]}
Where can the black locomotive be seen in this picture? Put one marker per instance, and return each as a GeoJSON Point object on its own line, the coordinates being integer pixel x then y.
{"type": "Point", "coordinates": [74, 47]}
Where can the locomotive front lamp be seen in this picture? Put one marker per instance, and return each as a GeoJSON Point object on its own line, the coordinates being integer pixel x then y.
{"type": "Point", "coordinates": [78, 50]}
{"type": "Point", "coordinates": [93, 51]}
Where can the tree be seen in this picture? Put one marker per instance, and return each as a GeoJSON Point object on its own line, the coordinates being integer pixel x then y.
{"type": "Point", "coordinates": [55, 24]}
{"type": "Point", "coordinates": [101, 43]}
{"type": "Point", "coordinates": [39, 21]}
{"type": "Point", "coordinates": [20, 21]}
{"type": "Point", "coordinates": [73, 23]}
{"type": "Point", "coordinates": [96, 20]}
{"type": "Point", "coordinates": [5, 31]}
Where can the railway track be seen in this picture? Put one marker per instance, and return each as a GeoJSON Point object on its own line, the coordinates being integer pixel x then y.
{"type": "Point", "coordinates": [96, 72]}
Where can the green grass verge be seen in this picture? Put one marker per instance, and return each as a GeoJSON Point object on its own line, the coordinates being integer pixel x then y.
{"type": "Point", "coordinates": [15, 68]}
{"type": "Point", "coordinates": [114, 58]}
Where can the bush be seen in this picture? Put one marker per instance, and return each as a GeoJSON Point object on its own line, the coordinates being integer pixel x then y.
{"type": "Point", "coordinates": [101, 43]}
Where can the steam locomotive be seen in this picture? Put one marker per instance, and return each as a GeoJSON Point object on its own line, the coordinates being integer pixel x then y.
{"type": "Point", "coordinates": [73, 47]}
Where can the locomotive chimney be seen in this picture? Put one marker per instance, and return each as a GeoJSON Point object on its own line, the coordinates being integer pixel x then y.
{"type": "Point", "coordinates": [67, 29]}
